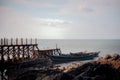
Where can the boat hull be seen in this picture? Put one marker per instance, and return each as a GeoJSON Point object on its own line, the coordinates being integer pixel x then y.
{"type": "Point", "coordinates": [70, 58]}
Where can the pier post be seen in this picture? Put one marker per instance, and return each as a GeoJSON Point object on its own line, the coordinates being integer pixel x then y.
{"type": "Point", "coordinates": [16, 41]}
{"type": "Point", "coordinates": [18, 52]}
{"type": "Point", "coordinates": [21, 41]}
{"type": "Point", "coordinates": [2, 56]}
{"type": "Point", "coordinates": [23, 56]}
{"type": "Point", "coordinates": [26, 41]}
{"type": "Point", "coordinates": [1, 41]}
{"type": "Point", "coordinates": [28, 52]}
{"type": "Point", "coordinates": [31, 41]}
{"type": "Point", "coordinates": [11, 41]}
{"type": "Point", "coordinates": [8, 55]}
{"type": "Point", "coordinates": [14, 54]}
{"type": "Point", "coordinates": [4, 41]}
{"type": "Point", "coordinates": [2, 63]}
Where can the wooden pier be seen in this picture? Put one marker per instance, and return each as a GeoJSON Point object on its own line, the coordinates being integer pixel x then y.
{"type": "Point", "coordinates": [14, 51]}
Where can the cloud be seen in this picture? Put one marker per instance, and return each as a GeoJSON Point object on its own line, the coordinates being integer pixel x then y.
{"type": "Point", "coordinates": [35, 18]}
{"type": "Point", "coordinates": [18, 24]}
{"type": "Point", "coordinates": [35, 3]}
{"type": "Point", "coordinates": [52, 22]}
{"type": "Point", "coordinates": [10, 15]}
{"type": "Point", "coordinates": [73, 7]}
{"type": "Point", "coordinates": [90, 7]}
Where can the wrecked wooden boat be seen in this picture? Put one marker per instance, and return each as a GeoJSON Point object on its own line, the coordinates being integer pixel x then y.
{"type": "Point", "coordinates": [79, 56]}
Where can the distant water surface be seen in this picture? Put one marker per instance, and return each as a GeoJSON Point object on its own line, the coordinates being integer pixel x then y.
{"type": "Point", "coordinates": [67, 46]}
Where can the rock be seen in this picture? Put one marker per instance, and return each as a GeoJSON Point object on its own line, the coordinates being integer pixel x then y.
{"type": "Point", "coordinates": [107, 57]}
{"type": "Point", "coordinates": [115, 57]}
{"type": "Point", "coordinates": [114, 61]}
{"type": "Point", "coordinates": [103, 69]}
{"type": "Point", "coordinates": [106, 68]}
{"type": "Point", "coordinates": [64, 76]}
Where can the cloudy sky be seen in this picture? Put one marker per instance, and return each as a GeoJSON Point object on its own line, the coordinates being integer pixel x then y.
{"type": "Point", "coordinates": [60, 19]}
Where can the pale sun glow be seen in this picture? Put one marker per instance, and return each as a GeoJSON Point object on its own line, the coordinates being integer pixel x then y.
{"type": "Point", "coordinates": [52, 32]}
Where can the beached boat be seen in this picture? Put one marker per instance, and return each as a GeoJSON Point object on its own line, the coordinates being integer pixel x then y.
{"type": "Point", "coordinates": [74, 56]}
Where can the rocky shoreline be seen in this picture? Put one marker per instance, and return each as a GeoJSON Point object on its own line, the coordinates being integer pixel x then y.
{"type": "Point", "coordinates": [105, 68]}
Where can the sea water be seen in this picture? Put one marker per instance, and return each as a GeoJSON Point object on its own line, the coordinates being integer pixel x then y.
{"type": "Point", "coordinates": [80, 45]}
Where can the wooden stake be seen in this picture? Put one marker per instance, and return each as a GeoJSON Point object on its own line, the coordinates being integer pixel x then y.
{"type": "Point", "coordinates": [1, 41]}
{"type": "Point", "coordinates": [21, 41]}
{"type": "Point", "coordinates": [26, 41]}
{"type": "Point", "coordinates": [16, 41]}
{"type": "Point", "coordinates": [11, 41]}
{"type": "Point", "coordinates": [31, 41]}
{"type": "Point", "coordinates": [4, 42]}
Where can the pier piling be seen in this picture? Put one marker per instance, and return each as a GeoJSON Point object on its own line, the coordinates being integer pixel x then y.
{"type": "Point", "coordinates": [15, 52]}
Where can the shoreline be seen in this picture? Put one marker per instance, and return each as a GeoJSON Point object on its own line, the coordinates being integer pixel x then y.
{"type": "Point", "coordinates": [91, 70]}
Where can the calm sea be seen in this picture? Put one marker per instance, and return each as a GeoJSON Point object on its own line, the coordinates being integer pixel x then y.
{"type": "Point", "coordinates": [67, 46]}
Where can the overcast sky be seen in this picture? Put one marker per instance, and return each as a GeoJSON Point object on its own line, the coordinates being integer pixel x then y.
{"type": "Point", "coordinates": [60, 19]}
